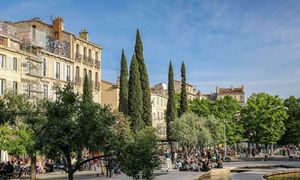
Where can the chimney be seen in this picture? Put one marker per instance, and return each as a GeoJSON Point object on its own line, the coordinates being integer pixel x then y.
{"type": "Point", "coordinates": [58, 26]}
{"type": "Point", "coordinates": [84, 34]}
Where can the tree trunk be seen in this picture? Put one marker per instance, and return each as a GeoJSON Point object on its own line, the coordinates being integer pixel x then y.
{"type": "Point", "coordinates": [70, 168]}
{"type": "Point", "coordinates": [33, 167]}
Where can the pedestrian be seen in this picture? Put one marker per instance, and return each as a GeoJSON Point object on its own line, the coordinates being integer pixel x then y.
{"type": "Point", "coordinates": [208, 155]}
{"type": "Point", "coordinates": [175, 156]}
{"type": "Point", "coordinates": [168, 159]}
{"type": "Point", "coordinates": [108, 167]}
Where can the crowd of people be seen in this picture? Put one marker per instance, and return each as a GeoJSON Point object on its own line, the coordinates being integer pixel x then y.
{"type": "Point", "coordinates": [14, 169]}
{"type": "Point", "coordinates": [201, 160]}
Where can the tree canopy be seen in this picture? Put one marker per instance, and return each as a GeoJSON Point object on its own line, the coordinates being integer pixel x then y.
{"type": "Point", "coordinates": [263, 118]}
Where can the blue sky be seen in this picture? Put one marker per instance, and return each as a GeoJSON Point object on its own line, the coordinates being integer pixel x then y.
{"type": "Point", "coordinates": [223, 43]}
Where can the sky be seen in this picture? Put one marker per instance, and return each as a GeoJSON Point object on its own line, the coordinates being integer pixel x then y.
{"type": "Point", "coordinates": [222, 43]}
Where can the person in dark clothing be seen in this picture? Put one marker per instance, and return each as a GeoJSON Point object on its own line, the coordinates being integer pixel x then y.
{"type": "Point", "coordinates": [108, 167]}
{"type": "Point", "coordinates": [9, 169]}
{"type": "Point", "coordinates": [208, 155]}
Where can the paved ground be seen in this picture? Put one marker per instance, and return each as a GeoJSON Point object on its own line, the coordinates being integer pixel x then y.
{"type": "Point", "coordinates": [251, 173]}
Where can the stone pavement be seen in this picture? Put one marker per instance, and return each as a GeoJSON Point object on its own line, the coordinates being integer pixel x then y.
{"type": "Point", "coordinates": [251, 173]}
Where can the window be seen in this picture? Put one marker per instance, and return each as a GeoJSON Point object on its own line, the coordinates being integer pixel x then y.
{"type": "Point", "coordinates": [57, 75]}
{"type": "Point", "coordinates": [2, 58]}
{"type": "Point", "coordinates": [84, 73]}
{"type": "Point", "coordinates": [77, 48]}
{"type": "Point", "coordinates": [27, 67]}
{"type": "Point", "coordinates": [44, 67]}
{"type": "Point", "coordinates": [15, 64]}
{"type": "Point", "coordinates": [77, 73]}
{"type": "Point", "coordinates": [90, 53]}
{"type": "Point", "coordinates": [27, 91]}
{"type": "Point", "coordinates": [96, 56]}
{"type": "Point", "coordinates": [90, 75]}
{"type": "Point", "coordinates": [15, 87]}
{"type": "Point", "coordinates": [68, 73]}
{"type": "Point", "coordinates": [84, 51]}
{"type": "Point", "coordinates": [33, 32]}
{"type": "Point", "coordinates": [157, 100]}
{"type": "Point", "coordinates": [2, 86]}
{"type": "Point", "coordinates": [44, 90]}
{"type": "Point", "coordinates": [96, 77]}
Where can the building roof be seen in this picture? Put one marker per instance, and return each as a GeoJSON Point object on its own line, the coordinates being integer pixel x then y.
{"type": "Point", "coordinates": [51, 26]}
{"type": "Point", "coordinates": [110, 83]}
{"type": "Point", "coordinates": [230, 90]}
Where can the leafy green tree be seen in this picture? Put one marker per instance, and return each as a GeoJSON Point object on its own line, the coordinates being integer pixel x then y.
{"type": "Point", "coordinates": [227, 110]}
{"type": "Point", "coordinates": [263, 118]}
{"type": "Point", "coordinates": [123, 94]}
{"type": "Point", "coordinates": [140, 154]}
{"type": "Point", "coordinates": [292, 124]}
{"type": "Point", "coordinates": [183, 95]}
{"type": "Point", "coordinates": [63, 131]}
{"type": "Point", "coordinates": [144, 79]}
{"type": "Point", "coordinates": [27, 121]}
{"type": "Point", "coordinates": [215, 127]}
{"type": "Point", "coordinates": [15, 141]}
{"type": "Point", "coordinates": [201, 107]}
{"type": "Point", "coordinates": [190, 130]}
{"type": "Point", "coordinates": [135, 97]}
{"type": "Point", "coordinates": [171, 106]}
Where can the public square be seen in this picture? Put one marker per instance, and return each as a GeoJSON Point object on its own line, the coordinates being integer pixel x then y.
{"type": "Point", "coordinates": [150, 89]}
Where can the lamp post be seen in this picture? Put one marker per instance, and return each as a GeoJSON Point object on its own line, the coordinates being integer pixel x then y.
{"type": "Point", "coordinates": [224, 139]}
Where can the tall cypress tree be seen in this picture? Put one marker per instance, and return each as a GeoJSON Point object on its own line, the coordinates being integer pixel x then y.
{"type": "Point", "coordinates": [147, 108]}
{"type": "Point", "coordinates": [123, 94]}
{"type": "Point", "coordinates": [135, 97]}
{"type": "Point", "coordinates": [183, 95]}
{"type": "Point", "coordinates": [171, 108]}
{"type": "Point", "coordinates": [87, 95]}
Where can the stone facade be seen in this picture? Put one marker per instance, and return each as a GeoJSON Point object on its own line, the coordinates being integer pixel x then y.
{"type": "Point", "coordinates": [238, 93]}
{"type": "Point", "coordinates": [36, 56]}
{"type": "Point", "coordinates": [192, 92]}
{"type": "Point", "coordinates": [110, 94]}
{"type": "Point", "coordinates": [159, 100]}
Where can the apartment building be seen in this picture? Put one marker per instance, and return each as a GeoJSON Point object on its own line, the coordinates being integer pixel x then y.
{"type": "Point", "coordinates": [159, 100]}
{"type": "Point", "coordinates": [110, 94]}
{"type": "Point", "coordinates": [36, 56]}
{"type": "Point", "coordinates": [238, 93]}
{"type": "Point", "coordinates": [192, 92]}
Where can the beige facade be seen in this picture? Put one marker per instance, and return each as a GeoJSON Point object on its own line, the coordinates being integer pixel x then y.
{"type": "Point", "coordinates": [237, 93]}
{"type": "Point", "coordinates": [159, 101]}
{"type": "Point", "coordinates": [36, 56]}
{"type": "Point", "coordinates": [192, 92]}
{"type": "Point", "coordinates": [110, 94]}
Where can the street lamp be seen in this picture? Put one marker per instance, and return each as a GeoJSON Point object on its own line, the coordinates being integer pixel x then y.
{"type": "Point", "coordinates": [224, 139]}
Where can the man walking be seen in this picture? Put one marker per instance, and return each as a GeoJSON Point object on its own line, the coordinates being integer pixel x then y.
{"type": "Point", "coordinates": [168, 160]}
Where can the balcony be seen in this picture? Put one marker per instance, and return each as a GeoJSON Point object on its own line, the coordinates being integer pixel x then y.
{"type": "Point", "coordinates": [78, 57]}
{"type": "Point", "coordinates": [97, 64]}
{"type": "Point", "coordinates": [78, 80]}
{"type": "Point", "coordinates": [91, 61]}
{"type": "Point", "coordinates": [97, 85]}
{"type": "Point", "coordinates": [85, 59]}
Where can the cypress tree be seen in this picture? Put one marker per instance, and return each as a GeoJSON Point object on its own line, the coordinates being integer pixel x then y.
{"type": "Point", "coordinates": [171, 108]}
{"type": "Point", "coordinates": [135, 101]}
{"type": "Point", "coordinates": [183, 94]}
{"type": "Point", "coordinates": [87, 95]}
{"type": "Point", "coordinates": [123, 94]}
{"type": "Point", "coordinates": [147, 108]}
